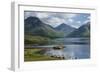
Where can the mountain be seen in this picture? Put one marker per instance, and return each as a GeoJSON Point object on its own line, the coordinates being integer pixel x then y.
{"type": "Point", "coordinates": [66, 29]}
{"type": "Point", "coordinates": [83, 31]}
{"type": "Point", "coordinates": [34, 26]}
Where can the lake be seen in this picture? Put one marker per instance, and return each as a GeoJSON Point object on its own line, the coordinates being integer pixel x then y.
{"type": "Point", "coordinates": [74, 48]}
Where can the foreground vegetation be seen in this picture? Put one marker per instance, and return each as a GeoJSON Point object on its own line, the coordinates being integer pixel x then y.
{"type": "Point", "coordinates": [37, 55]}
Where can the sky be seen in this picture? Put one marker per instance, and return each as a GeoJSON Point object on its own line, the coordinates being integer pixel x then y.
{"type": "Point", "coordinates": [56, 18]}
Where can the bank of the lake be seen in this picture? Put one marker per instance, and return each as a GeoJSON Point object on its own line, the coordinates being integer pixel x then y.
{"type": "Point", "coordinates": [37, 55]}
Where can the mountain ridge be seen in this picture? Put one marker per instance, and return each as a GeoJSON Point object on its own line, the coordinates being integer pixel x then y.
{"type": "Point", "coordinates": [82, 31]}
{"type": "Point", "coordinates": [65, 28]}
{"type": "Point", "coordinates": [34, 26]}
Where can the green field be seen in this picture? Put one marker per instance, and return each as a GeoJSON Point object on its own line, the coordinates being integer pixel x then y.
{"type": "Point", "coordinates": [37, 55]}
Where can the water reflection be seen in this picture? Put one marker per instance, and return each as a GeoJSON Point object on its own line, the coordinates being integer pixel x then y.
{"type": "Point", "coordinates": [81, 50]}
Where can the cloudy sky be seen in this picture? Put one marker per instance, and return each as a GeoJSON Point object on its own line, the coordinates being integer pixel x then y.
{"type": "Point", "coordinates": [54, 19]}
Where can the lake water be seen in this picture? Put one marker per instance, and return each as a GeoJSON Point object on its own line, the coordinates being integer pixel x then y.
{"type": "Point", "coordinates": [75, 48]}
{"type": "Point", "coordinates": [78, 51]}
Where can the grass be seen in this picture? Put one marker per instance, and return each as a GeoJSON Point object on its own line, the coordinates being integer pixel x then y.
{"type": "Point", "coordinates": [36, 55]}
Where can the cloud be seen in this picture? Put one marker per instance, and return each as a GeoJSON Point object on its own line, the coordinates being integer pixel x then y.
{"type": "Point", "coordinates": [89, 17]}
{"type": "Point", "coordinates": [55, 19]}
{"type": "Point", "coordinates": [79, 22]}
{"type": "Point", "coordinates": [64, 15]}
{"type": "Point", "coordinates": [76, 24]}
{"type": "Point", "coordinates": [28, 14]}
{"type": "Point", "coordinates": [70, 20]}
{"type": "Point", "coordinates": [42, 15]}
{"type": "Point", "coordinates": [71, 15]}
{"type": "Point", "coordinates": [88, 20]}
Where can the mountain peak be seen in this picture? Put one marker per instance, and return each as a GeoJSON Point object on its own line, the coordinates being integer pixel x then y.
{"type": "Point", "coordinates": [32, 20]}
{"type": "Point", "coordinates": [35, 18]}
{"type": "Point", "coordinates": [34, 26]}
{"type": "Point", "coordinates": [65, 28]}
{"type": "Point", "coordinates": [62, 25]}
{"type": "Point", "coordinates": [83, 31]}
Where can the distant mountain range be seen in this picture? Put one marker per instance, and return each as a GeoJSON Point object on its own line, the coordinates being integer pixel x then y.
{"type": "Point", "coordinates": [34, 26]}
{"type": "Point", "coordinates": [66, 29]}
{"type": "Point", "coordinates": [83, 31]}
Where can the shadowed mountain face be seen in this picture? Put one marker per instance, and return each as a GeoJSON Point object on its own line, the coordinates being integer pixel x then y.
{"type": "Point", "coordinates": [66, 29]}
{"type": "Point", "coordinates": [34, 26]}
{"type": "Point", "coordinates": [83, 31]}
{"type": "Point", "coordinates": [32, 21]}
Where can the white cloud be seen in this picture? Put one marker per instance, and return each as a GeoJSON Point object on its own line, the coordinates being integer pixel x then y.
{"type": "Point", "coordinates": [42, 15]}
{"type": "Point", "coordinates": [70, 20]}
{"type": "Point", "coordinates": [89, 17]}
{"type": "Point", "coordinates": [76, 24]}
{"type": "Point", "coordinates": [65, 15]}
{"type": "Point", "coordinates": [28, 14]}
{"type": "Point", "coordinates": [71, 15]}
{"type": "Point", "coordinates": [79, 22]}
{"type": "Point", "coordinates": [88, 20]}
{"type": "Point", "coordinates": [54, 21]}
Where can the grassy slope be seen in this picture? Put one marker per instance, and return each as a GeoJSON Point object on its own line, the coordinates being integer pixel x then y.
{"type": "Point", "coordinates": [35, 55]}
{"type": "Point", "coordinates": [36, 40]}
